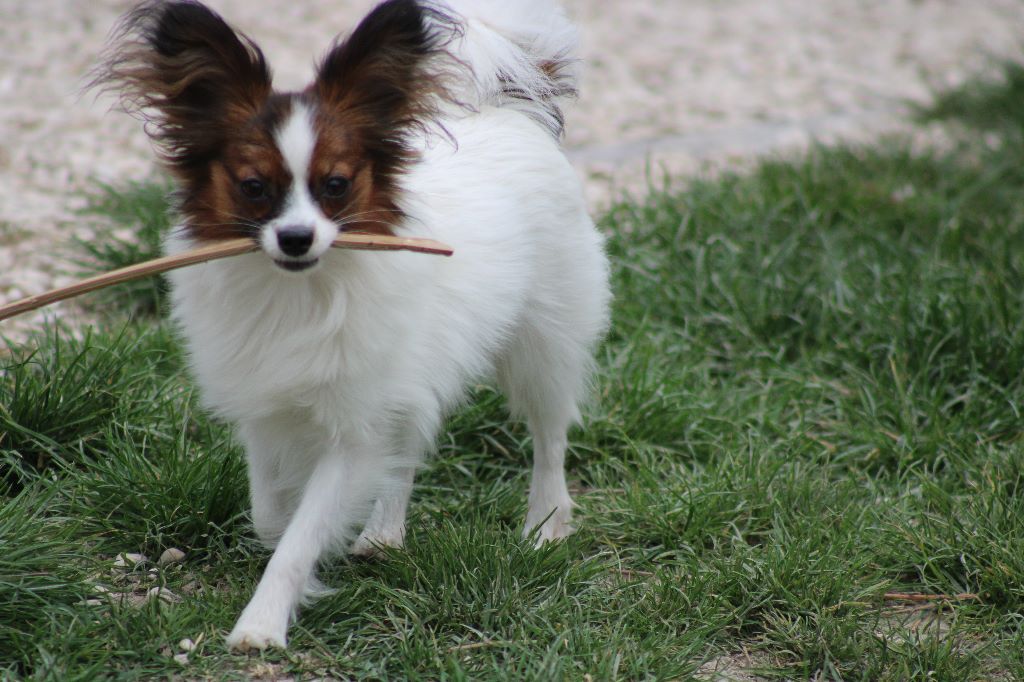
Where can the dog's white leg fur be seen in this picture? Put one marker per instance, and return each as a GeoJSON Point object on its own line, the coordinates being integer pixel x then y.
{"type": "Point", "coordinates": [339, 488]}
{"type": "Point", "coordinates": [544, 374]}
{"type": "Point", "coordinates": [386, 527]}
{"type": "Point", "coordinates": [266, 449]}
{"type": "Point", "coordinates": [549, 505]}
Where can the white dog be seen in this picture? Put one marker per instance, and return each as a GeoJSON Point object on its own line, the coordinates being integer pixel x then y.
{"type": "Point", "coordinates": [434, 119]}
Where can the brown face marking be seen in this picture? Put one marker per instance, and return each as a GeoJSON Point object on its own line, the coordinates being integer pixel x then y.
{"type": "Point", "coordinates": [337, 153]}
{"type": "Point", "coordinates": [217, 206]}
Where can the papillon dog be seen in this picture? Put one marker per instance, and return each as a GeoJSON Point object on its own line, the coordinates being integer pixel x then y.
{"type": "Point", "coordinates": [439, 119]}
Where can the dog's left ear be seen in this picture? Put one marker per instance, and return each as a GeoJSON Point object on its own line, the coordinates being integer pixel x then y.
{"type": "Point", "coordinates": [385, 78]}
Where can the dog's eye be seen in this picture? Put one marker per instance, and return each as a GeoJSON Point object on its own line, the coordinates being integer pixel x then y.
{"type": "Point", "coordinates": [253, 188]}
{"type": "Point", "coordinates": [336, 186]}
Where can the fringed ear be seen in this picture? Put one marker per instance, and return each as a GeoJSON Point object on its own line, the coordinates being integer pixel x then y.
{"type": "Point", "coordinates": [384, 81]}
{"type": "Point", "coordinates": [188, 74]}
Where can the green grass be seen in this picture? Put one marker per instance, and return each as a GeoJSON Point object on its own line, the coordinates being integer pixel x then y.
{"type": "Point", "coordinates": [810, 397]}
{"type": "Point", "coordinates": [990, 104]}
{"type": "Point", "coordinates": [133, 220]}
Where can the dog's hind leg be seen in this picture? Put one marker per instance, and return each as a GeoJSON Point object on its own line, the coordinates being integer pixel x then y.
{"type": "Point", "coordinates": [549, 506]}
{"type": "Point", "coordinates": [543, 377]}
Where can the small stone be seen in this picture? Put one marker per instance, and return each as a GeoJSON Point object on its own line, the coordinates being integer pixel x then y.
{"type": "Point", "coordinates": [181, 658]}
{"type": "Point", "coordinates": [163, 594]}
{"type": "Point", "coordinates": [129, 560]}
{"type": "Point", "coordinates": [186, 644]}
{"type": "Point", "coordinates": [171, 555]}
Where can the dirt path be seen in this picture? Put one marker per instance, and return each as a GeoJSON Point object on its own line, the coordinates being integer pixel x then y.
{"type": "Point", "coordinates": [681, 83]}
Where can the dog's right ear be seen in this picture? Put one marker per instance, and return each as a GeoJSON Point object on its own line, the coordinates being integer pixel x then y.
{"type": "Point", "coordinates": [191, 77]}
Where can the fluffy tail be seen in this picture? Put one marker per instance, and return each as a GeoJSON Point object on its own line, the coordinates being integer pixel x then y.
{"type": "Point", "coordinates": [522, 54]}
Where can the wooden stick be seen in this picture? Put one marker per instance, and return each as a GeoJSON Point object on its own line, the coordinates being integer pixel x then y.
{"type": "Point", "coordinates": [202, 254]}
{"type": "Point", "coordinates": [917, 597]}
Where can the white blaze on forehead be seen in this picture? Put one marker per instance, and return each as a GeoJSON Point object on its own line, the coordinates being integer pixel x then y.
{"type": "Point", "coordinates": [296, 139]}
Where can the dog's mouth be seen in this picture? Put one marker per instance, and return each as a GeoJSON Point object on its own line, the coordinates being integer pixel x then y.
{"type": "Point", "coordinates": [296, 265]}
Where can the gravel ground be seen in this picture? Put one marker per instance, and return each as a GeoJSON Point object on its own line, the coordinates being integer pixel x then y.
{"type": "Point", "coordinates": [682, 85]}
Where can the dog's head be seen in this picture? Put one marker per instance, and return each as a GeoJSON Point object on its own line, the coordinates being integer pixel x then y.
{"type": "Point", "coordinates": [288, 169]}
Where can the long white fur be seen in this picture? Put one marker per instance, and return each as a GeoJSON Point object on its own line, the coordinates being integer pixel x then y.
{"type": "Point", "coordinates": [339, 378]}
{"type": "Point", "coordinates": [506, 42]}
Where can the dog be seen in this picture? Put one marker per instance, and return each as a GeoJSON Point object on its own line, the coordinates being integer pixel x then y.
{"type": "Point", "coordinates": [434, 119]}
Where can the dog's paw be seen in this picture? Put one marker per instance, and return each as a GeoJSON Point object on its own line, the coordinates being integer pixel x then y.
{"type": "Point", "coordinates": [557, 526]}
{"type": "Point", "coordinates": [369, 544]}
{"type": "Point", "coordinates": [246, 637]}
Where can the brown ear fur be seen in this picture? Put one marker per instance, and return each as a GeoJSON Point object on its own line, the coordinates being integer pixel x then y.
{"type": "Point", "coordinates": [382, 83]}
{"type": "Point", "coordinates": [188, 74]}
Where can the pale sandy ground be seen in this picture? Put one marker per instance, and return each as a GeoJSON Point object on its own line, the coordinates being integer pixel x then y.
{"type": "Point", "coordinates": [684, 85]}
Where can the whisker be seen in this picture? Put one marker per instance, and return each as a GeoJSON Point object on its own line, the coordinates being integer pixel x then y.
{"type": "Point", "coordinates": [355, 217]}
{"type": "Point", "coordinates": [374, 210]}
{"type": "Point", "coordinates": [344, 224]}
{"type": "Point", "coordinates": [247, 221]}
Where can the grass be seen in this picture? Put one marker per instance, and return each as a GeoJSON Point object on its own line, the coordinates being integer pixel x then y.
{"type": "Point", "coordinates": [989, 104]}
{"type": "Point", "coordinates": [133, 220]}
{"type": "Point", "coordinates": [810, 398]}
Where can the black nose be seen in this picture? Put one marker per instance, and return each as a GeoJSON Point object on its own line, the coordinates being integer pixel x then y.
{"type": "Point", "coordinates": [295, 240]}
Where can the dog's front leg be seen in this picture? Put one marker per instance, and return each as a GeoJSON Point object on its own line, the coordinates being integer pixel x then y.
{"type": "Point", "coordinates": [386, 526]}
{"type": "Point", "coordinates": [338, 492]}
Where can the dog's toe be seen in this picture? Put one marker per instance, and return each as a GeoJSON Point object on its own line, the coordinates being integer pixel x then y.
{"type": "Point", "coordinates": [557, 526]}
{"type": "Point", "coordinates": [369, 545]}
{"type": "Point", "coordinates": [246, 639]}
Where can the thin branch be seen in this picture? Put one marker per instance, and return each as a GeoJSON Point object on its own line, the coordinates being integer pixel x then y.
{"type": "Point", "coordinates": [202, 254]}
{"type": "Point", "coordinates": [917, 597]}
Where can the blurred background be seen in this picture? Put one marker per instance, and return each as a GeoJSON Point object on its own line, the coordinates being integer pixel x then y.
{"type": "Point", "coordinates": [671, 86]}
